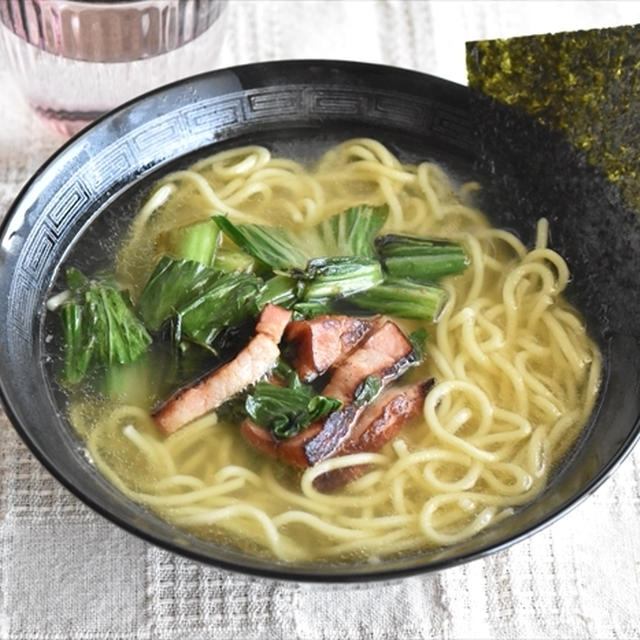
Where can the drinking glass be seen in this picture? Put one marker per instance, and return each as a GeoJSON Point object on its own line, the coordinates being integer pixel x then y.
{"type": "Point", "coordinates": [75, 59]}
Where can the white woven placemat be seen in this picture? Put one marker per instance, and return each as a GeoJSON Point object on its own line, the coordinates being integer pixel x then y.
{"type": "Point", "coordinates": [65, 573]}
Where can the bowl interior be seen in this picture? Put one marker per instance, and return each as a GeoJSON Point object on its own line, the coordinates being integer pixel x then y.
{"type": "Point", "coordinates": [79, 205]}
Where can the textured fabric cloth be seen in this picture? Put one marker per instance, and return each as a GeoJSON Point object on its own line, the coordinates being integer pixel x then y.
{"type": "Point", "coordinates": [66, 573]}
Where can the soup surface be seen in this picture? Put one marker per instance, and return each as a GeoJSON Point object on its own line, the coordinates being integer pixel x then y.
{"type": "Point", "coordinates": [515, 374]}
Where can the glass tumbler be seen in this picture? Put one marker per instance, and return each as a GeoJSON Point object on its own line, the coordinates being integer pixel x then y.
{"type": "Point", "coordinates": [75, 59]}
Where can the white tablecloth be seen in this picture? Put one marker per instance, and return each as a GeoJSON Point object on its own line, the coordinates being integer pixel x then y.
{"type": "Point", "coordinates": [67, 573]}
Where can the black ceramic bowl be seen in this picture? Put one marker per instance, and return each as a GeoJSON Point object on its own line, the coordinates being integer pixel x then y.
{"type": "Point", "coordinates": [91, 186]}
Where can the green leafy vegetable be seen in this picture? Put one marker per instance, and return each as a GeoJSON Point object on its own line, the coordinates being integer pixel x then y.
{"type": "Point", "coordinates": [339, 277]}
{"type": "Point", "coordinates": [287, 410]}
{"type": "Point", "coordinates": [100, 328]}
{"type": "Point", "coordinates": [367, 390]}
{"type": "Point", "coordinates": [402, 298]}
{"type": "Point", "coordinates": [283, 371]}
{"type": "Point", "coordinates": [351, 232]}
{"type": "Point", "coordinates": [418, 339]}
{"type": "Point", "coordinates": [280, 290]}
{"type": "Point", "coordinates": [78, 342]}
{"type": "Point", "coordinates": [421, 259]}
{"type": "Point", "coordinates": [273, 246]}
{"type": "Point", "coordinates": [312, 308]}
{"type": "Point", "coordinates": [231, 260]}
{"type": "Point", "coordinates": [198, 242]}
{"type": "Point", "coordinates": [76, 280]}
{"type": "Point", "coordinates": [229, 302]}
{"type": "Point", "coordinates": [171, 285]}
{"type": "Point", "coordinates": [203, 302]}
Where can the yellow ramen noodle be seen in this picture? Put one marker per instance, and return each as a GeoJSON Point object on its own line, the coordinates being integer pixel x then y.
{"type": "Point", "coordinates": [516, 376]}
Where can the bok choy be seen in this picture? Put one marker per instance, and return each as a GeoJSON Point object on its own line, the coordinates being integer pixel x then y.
{"type": "Point", "coordinates": [338, 277]}
{"type": "Point", "coordinates": [198, 242]}
{"type": "Point", "coordinates": [100, 327]}
{"type": "Point", "coordinates": [230, 260]}
{"type": "Point", "coordinates": [171, 285]}
{"type": "Point", "coordinates": [272, 246]}
{"type": "Point", "coordinates": [402, 298]}
{"type": "Point", "coordinates": [287, 410]}
{"type": "Point", "coordinates": [352, 232]}
{"type": "Point", "coordinates": [421, 259]}
{"type": "Point", "coordinates": [280, 290]}
{"type": "Point", "coordinates": [202, 302]}
{"type": "Point", "coordinates": [229, 302]}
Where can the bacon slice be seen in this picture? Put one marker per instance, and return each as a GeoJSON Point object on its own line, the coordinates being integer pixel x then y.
{"type": "Point", "coordinates": [251, 364]}
{"type": "Point", "coordinates": [324, 341]}
{"type": "Point", "coordinates": [385, 354]}
{"type": "Point", "coordinates": [272, 322]}
{"type": "Point", "coordinates": [379, 424]}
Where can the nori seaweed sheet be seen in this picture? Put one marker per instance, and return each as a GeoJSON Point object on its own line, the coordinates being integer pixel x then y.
{"type": "Point", "coordinates": [583, 83]}
{"type": "Point", "coordinates": [557, 134]}
{"type": "Point", "coordinates": [529, 171]}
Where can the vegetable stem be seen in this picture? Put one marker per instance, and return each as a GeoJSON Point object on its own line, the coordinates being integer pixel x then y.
{"type": "Point", "coordinates": [198, 242]}
{"type": "Point", "coordinates": [403, 298]}
{"type": "Point", "coordinates": [280, 290]}
{"type": "Point", "coordinates": [339, 277]}
{"type": "Point", "coordinates": [421, 259]}
{"type": "Point", "coordinates": [229, 260]}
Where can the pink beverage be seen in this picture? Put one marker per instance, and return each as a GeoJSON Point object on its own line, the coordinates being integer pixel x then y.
{"type": "Point", "coordinates": [76, 59]}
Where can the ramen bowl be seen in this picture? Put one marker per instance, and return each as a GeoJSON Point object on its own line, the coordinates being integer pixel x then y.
{"type": "Point", "coordinates": [80, 202]}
